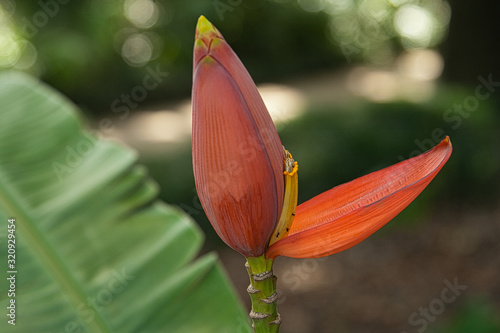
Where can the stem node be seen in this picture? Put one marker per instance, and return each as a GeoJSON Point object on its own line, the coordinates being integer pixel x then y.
{"type": "Point", "coordinates": [262, 292]}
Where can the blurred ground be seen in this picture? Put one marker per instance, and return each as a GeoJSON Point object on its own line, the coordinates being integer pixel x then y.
{"type": "Point", "coordinates": [377, 285]}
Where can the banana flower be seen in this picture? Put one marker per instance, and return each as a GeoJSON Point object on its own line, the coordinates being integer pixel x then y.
{"type": "Point", "coordinates": [247, 182]}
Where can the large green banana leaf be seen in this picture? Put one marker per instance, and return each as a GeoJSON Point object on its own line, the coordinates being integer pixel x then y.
{"type": "Point", "coordinates": [95, 251]}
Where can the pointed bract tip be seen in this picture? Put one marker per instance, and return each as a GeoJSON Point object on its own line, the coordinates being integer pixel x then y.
{"type": "Point", "coordinates": [445, 143]}
{"type": "Point", "coordinates": [205, 29]}
{"type": "Point", "coordinates": [203, 25]}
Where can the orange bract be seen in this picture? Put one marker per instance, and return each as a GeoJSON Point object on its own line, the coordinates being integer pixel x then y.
{"type": "Point", "coordinates": [347, 214]}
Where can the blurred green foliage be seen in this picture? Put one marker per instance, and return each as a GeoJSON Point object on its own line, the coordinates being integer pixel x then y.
{"type": "Point", "coordinates": [108, 235]}
{"type": "Point", "coordinates": [477, 315]}
{"type": "Point", "coordinates": [93, 51]}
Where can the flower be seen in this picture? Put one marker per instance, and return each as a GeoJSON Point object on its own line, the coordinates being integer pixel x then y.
{"type": "Point", "coordinates": [237, 153]}
{"type": "Point", "coordinates": [247, 183]}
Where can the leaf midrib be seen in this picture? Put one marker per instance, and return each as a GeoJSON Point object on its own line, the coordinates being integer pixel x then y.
{"type": "Point", "coordinates": [11, 203]}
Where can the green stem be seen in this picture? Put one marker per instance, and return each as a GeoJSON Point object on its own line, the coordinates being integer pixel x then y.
{"type": "Point", "coordinates": [262, 291]}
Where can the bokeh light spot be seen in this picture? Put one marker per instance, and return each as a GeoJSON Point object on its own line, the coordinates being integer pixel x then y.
{"type": "Point", "coordinates": [137, 50]}
{"type": "Point", "coordinates": [283, 103]}
{"type": "Point", "coordinates": [142, 13]}
{"type": "Point", "coordinates": [28, 56]}
{"type": "Point", "coordinates": [312, 6]}
{"type": "Point", "coordinates": [416, 24]}
{"type": "Point", "coordinates": [423, 65]}
{"type": "Point", "coordinates": [9, 49]}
